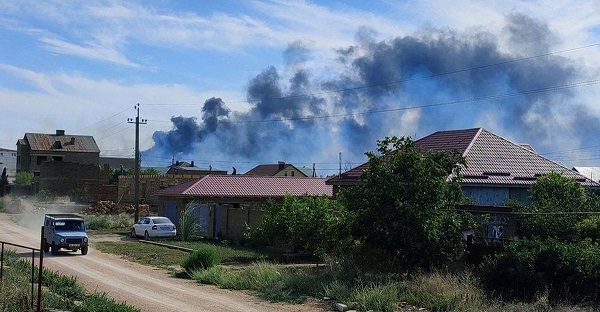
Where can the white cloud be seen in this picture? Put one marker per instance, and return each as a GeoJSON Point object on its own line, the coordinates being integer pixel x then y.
{"type": "Point", "coordinates": [93, 52]}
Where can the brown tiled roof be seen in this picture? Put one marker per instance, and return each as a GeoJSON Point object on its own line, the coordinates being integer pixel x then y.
{"type": "Point", "coordinates": [68, 143]}
{"type": "Point", "coordinates": [249, 186]}
{"type": "Point", "coordinates": [270, 169]}
{"type": "Point", "coordinates": [264, 170]}
{"type": "Point", "coordinates": [491, 160]}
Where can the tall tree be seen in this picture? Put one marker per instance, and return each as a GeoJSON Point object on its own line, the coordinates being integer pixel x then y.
{"type": "Point", "coordinates": [556, 199]}
{"type": "Point", "coordinates": [3, 182]}
{"type": "Point", "coordinates": [405, 206]}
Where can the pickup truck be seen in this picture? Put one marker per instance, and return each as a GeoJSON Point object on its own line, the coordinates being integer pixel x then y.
{"type": "Point", "coordinates": [64, 231]}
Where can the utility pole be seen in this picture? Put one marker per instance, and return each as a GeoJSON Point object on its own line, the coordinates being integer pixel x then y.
{"type": "Point", "coordinates": [137, 122]}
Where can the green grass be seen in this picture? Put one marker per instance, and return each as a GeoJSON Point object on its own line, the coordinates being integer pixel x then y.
{"type": "Point", "coordinates": [59, 291]}
{"type": "Point", "coordinates": [163, 257]}
{"type": "Point", "coordinates": [270, 281]}
{"type": "Point", "coordinates": [228, 253]}
{"type": "Point", "coordinates": [146, 254]}
{"type": "Point", "coordinates": [435, 291]}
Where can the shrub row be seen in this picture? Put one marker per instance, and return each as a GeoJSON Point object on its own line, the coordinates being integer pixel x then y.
{"type": "Point", "coordinates": [565, 273]}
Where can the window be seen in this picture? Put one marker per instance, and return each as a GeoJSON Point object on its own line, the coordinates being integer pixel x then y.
{"type": "Point", "coordinates": [292, 173]}
{"type": "Point", "coordinates": [41, 159]}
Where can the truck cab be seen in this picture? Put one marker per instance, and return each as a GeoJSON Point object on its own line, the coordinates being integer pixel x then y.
{"type": "Point", "coordinates": [64, 231]}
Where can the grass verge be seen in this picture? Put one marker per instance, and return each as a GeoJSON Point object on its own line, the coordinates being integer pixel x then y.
{"type": "Point", "coordinates": [434, 291]}
{"type": "Point", "coordinates": [58, 292]}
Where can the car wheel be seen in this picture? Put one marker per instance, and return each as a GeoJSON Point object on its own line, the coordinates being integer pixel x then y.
{"type": "Point", "coordinates": [84, 250]}
{"type": "Point", "coordinates": [133, 234]}
{"type": "Point", "coordinates": [54, 249]}
{"type": "Point", "coordinates": [146, 235]}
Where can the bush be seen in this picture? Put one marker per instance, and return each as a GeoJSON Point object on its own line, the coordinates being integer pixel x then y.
{"type": "Point", "coordinates": [23, 178]}
{"type": "Point", "coordinates": [205, 257]}
{"type": "Point", "coordinates": [567, 273]}
{"type": "Point", "coordinates": [443, 291]}
{"type": "Point", "coordinates": [374, 297]}
{"type": "Point", "coordinates": [45, 196]}
{"type": "Point", "coordinates": [188, 221]}
{"type": "Point", "coordinates": [108, 222]}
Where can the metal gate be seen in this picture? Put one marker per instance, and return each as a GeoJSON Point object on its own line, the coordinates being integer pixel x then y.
{"type": "Point", "coordinates": [38, 303]}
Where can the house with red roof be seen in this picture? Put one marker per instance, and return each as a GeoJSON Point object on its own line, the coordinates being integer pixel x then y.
{"type": "Point", "coordinates": [497, 169]}
{"type": "Point", "coordinates": [227, 203]}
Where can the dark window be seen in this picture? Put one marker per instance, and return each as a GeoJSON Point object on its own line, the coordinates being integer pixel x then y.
{"type": "Point", "coordinates": [292, 173]}
{"type": "Point", "coordinates": [41, 159]}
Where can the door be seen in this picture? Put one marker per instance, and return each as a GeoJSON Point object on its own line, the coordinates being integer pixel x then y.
{"type": "Point", "coordinates": [170, 211]}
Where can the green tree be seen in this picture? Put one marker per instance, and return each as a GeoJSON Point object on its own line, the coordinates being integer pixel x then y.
{"type": "Point", "coordinates": [149, 171]}
{"type": "Point", "coordinates": [3, 181]}
{"type": "Point", "coordinates": [405, 205]}
{"type": "Point", "coordinates": [554, 199]}
{"type": "Point", "coordinates": [309, 222]}
{"type": "Point", "coordinates": [23, 178]}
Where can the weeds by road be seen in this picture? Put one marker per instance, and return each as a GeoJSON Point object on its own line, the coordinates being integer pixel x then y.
{"type": "Point", "coordinates": [58, 292]}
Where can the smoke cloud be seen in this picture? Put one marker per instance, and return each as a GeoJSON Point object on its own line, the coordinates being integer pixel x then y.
{"type": "Point", "coordinates": [436, 79]}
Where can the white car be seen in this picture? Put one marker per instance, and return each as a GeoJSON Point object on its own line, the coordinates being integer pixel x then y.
{"type": "Point", "coordinates": [154, 227]}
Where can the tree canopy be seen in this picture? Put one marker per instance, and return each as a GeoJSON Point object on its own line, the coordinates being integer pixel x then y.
{"type": "Point", "coordinates": [405, 205]}
{"type": "Point", "coordinates": [556, 209]}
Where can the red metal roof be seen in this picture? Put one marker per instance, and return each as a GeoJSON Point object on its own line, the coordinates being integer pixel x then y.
{"type": "Point", "coordinates": [491, 160]}
{"type": "Point", "coordinates": [249, 186]}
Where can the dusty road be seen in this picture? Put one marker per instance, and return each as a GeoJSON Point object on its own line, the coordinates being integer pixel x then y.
{"type": "Point", "coordinates": [146, 288]}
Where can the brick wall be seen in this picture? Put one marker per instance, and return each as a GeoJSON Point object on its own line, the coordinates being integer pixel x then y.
{"type": "Point", "coordinates": [68, 179]}
{"type": "Point", "coordinates": [149, 184]}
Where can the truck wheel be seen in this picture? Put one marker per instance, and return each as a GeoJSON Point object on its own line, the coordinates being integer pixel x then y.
{"type": "Point", "coordinates": [45, 246]}
{"type": "Point", "coordinates": [84, 250]}
{"type": "Point", "coordinates": [54, 249]}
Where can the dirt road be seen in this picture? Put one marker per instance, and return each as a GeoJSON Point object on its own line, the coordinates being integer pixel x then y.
{"type": "Point", "coordinates": [146, 288]}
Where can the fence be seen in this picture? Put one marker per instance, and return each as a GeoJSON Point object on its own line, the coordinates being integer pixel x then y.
{"type": "Point", "coordinates": [38, 305]}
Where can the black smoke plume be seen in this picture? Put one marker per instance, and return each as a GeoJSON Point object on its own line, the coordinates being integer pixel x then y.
{"type": "Point", "coordinates": [436, 79]}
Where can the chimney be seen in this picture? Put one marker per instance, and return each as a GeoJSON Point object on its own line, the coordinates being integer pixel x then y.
{"type": "Point", "coordinates": [281, 165]}
{"type": "Point", "coordinates": [60, 132]}
{"type": "Point", "coordinates": [192, 164]}
{"type": "Point", "coordinates": [72, 140]}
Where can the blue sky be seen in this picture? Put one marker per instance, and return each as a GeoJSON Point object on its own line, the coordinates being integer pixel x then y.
{"type": "Point", "coordinates": [81, 66]}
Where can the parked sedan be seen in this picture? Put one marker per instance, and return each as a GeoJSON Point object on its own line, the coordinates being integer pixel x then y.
{"type": "Point", "coordinates": [154, 227]}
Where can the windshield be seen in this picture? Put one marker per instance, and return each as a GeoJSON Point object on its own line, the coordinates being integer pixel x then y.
{"type": "Point", "coordinates": [68, 225]}
{"type": "Point", "coordinates": [161, 220]}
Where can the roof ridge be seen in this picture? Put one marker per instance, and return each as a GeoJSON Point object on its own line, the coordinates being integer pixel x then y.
{"type": "Point", "coordinates": [193, 183]}
{"type": "Point", "coordinates": [473, 140]}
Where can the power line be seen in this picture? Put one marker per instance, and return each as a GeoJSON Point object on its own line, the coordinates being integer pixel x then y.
{"type": "Point", "coordinates": [103, 120]}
